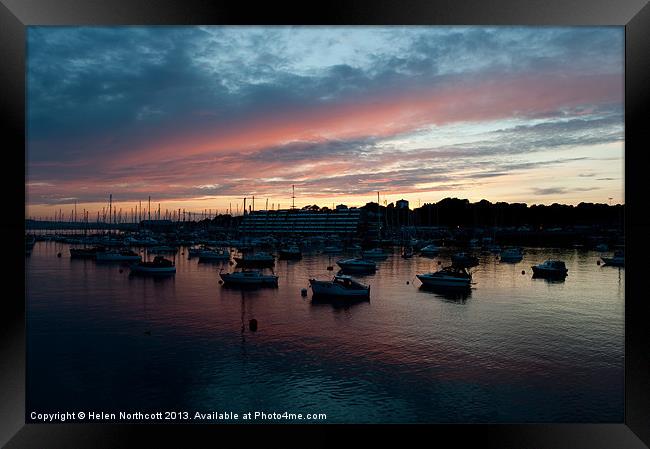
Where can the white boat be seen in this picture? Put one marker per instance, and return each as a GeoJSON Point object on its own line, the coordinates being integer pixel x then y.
{"type": "Point", "coordinates": [512, 255]}
{"type": "Point", "coordinates": [249, 278]}
{"type": "Point", "coordinates": [550, 268]}
{"type": "Point", "coordinates": [116, 256]}
{"type": "Point", "coordinates": [158, 266]}
{"type": "Point", "coordinates": [618, 260]}
{"type": "Point", "coordinates": [375, 254]}
{"type": "Point", "coordinates": [430, 250]}
{"type": "Point", "coordinates": [341, 286]}
{"type": "Point", "coordinates": [357, 265]}
{"type": "Point", "coordinates": [258, 260]}
{"type": "Point", "coordinates": [452, 276]}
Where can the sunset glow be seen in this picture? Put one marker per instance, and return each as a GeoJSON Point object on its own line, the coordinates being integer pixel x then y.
{"type": "Point", "coordinates": [200, 117]}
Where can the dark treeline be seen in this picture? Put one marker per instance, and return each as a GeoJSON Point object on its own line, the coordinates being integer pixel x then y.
{"type": "Point", "coordinates": [460, 212]}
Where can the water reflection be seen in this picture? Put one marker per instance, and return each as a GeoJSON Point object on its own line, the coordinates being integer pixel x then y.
{"type": "Point", "coordinates": [454, 294]}
{"type": "Point", "coordinates": [510, 349]}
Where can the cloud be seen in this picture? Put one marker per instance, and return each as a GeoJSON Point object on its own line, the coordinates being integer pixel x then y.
{"type": "Point", "coordinates": [181, 112]}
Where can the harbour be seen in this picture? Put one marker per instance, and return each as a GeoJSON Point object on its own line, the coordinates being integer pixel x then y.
{"type": "Point", "coordinates": [511, 347]}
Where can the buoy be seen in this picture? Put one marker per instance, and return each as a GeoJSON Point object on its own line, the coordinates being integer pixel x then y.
{"type": "Point", "coordinates": [252, 324]}
{"type": "Point", "coordinates": [220, 282]}
{"type": "Point", "coordinates": [121, 270]}
{"type": "Point", "coordinates": [598, 262]}
{"type": "Point", "coordinates": [407, 282]}
{"type": "Point", "coordinates": [330, 268]}
{"type": "Point", "coordinates": [523, 271]}
{"type": "Point", "coordinates": [147, 332]}
{"type": "Point", "coordinates": [58, 255]}
{"type": "Point", "coordinates": [303, 292]}
{"type": "Point", "coordinates": [231, 262]}
{"type": "Point", "coordinates": [439, 262]}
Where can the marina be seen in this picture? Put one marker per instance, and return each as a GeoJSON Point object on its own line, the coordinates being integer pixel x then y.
{"type": "Point", "coordinates": [557, 341]}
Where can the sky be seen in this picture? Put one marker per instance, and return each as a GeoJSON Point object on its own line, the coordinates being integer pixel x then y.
{"type": "Point", "coordinates": [201, 117]}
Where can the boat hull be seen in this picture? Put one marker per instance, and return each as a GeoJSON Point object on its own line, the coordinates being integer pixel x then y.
{"type": "Point", "coordinates": [613, 262]}
{"type": "Point", "coordinates": [434, 281]}
{"type": "Point", "coordinates": [325, 289]}
{"type": "Point", "coordinates": [546, 273]}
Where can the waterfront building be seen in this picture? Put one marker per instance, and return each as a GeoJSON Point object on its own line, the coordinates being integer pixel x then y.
{"type": "Point", "coordinates": [343, 222]}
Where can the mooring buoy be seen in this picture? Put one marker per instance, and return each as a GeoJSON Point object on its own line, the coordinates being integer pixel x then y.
{"type": "Point", "coordinates": [330, 268]}
{"type": "Point", "coordinates": [121, 270]}
{"type": "Point", "coordinates": [303, 292]}
{"type": "Point", "coordinates": [598, 262]}
{"type": "Point", "coordinates": [407, 282]}
{"type": "Point", "coordinates": [523, 271]}
{"type": "Point", "coordinates": [252, 324]}
{"type": "Point", "coordinates": [58, 255]}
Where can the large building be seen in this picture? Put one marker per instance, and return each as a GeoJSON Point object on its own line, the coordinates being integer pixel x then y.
{"type": "Point", "coordinates": [343, 222]}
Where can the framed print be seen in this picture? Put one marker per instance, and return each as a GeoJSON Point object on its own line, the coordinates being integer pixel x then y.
{"type": "Point", "coordinates": [367, 218]}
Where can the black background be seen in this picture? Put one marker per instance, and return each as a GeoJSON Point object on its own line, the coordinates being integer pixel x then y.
{"type": "Point", "coordinates": [16, 14]}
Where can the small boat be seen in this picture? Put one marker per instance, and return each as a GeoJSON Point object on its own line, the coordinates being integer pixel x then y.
{"type": "Point", "coordinates": [429, 250]}
{"type": "Point", "coordinates": [512, 255]}
{"type": "Point", "coordinates": [618, 260]}
{"type": "Point", "coordinates": [158, 266]}
{"type": "Point", "coordinates": [257, 260]}
{"type": "Point", "coordinates": [452, 276]}
{"type": "Point", "coordinates": [550, 268]}
{"type": "Point", "coordinates": [290, 253]}
{"type": "Point", "coordinates": [342, 286]}
{"type": "Point", "coordinates": [213, 254]}
{"type": "Point", "coordinates": [332, 250]}
{"type": "Point", "coordinates": [464, 260]}
{"type": "Point", "coordinates": [86, 253]}
{"type": "Point", "coordinates": [357, 265]}
{"type": "Point", "coordinates": [375, 254]}
{"type": "Point", "coordinates": [249, 278]}
{"type": "Point", "coordinates": [115, 255]}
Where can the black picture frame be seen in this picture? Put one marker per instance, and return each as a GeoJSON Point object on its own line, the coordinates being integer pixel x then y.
{"type": "Point", "coordinates": [15, 15]}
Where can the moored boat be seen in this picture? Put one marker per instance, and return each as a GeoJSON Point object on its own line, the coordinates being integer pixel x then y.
{"type": "Point", "coordinates": [213, 254]}
{"type": "Point", "coordinates": [341, 287]}
{"type": "Point", "coordinates": [249, 278]}
{"type": "Point", "coordinates": [86, 253]}
{"type": "Point", "coordinates": [159, 266]}
{"type": "Point", "coordinates": [618, 260]}
{"type": "Point", "coordinates": [512, 255]}
{"type": "Point", "coordinates": [550, 268]}
{"type": "Point", "coordinates": [357, 265]}
{"type": "Point", "coordinates": [290, 253]}
{"type": "Point", "coordinates": [452, 276]}
{"type": "Point", "coordinates": [257, 260]}
{"type": "Point", "coordinates": [375, 254]}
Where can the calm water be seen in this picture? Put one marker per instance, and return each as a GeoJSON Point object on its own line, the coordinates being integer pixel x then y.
{"type": "Point", "coordinates": [515, 350]}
